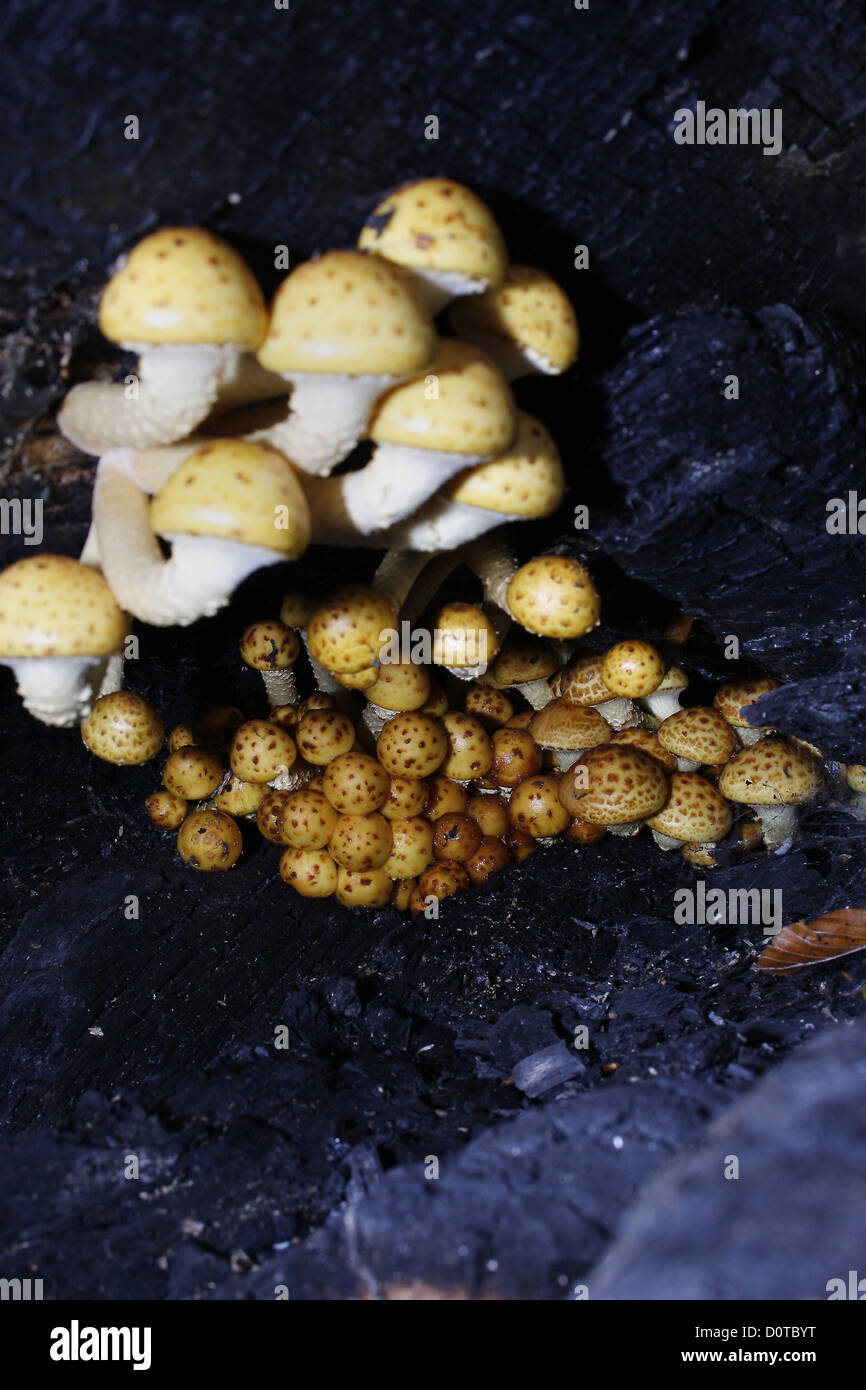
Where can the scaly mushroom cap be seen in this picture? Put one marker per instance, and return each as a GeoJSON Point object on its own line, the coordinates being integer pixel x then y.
{"type": "Point", "coordinates": [443, 795]}
{"type": "Point", "coordinates": [183, 285]}
{"type": "Point", "coordinates": [355, 784]}
{"type": "Point", "coordinates": [437, 224]}
{"type": "Point", "coordinates": [695, 812]}
{"type": "Point", "coordinates": [554, 596]}
{"type": "Point", "coordinates": [699, 734]}
{"type": "Point", "coordinates": [344, 312]}
{"type": "Point", "coordinates": [632, 669]}
{"type": "Point", "coordinates": [407, 798]}
{"type": "Point", "coordinates": [311, 872]}
{"type": "Point", "coordinates": [456, 836]}
{"type": "Point", "coordinates": [535, 808]}
{"type": "Point", "coordinates": [522, 659]}
{"type": "Point", "coordinates": [307, 819]}
{"type": "Point", "coordinates": [567, 727]}
{"type": "Point", "coordinates": [412, 848]}
{"type": "Point", "coordinates": [614, 785]}
{"type": "Point", "coordinates": [516, 756]}
{"type": "Point", "coordinates": [123, 728]}
{"type": "Point", "coordinates": [361, 842]}
{"type": "Point", "coordinates": [528, 309]}
{"type": "Point", "coordinates": [296, 608]}
{"type": "Point", "coordinates": [490, 858]}
{"type": "Point", "coordinates": [399, 685]}
{"type": "Point", "coordinates": [463, 635]}
{"type": "Point", "coordinates": [470, 412]}
{"type": "Point", "coordinates": [209, 840]}
{"type": "Point", "coordinates": [675, 678]}
{"type": "Point", "coordinates": [773, 772]}
{"type": "Point", "coordinates": [269, 813]}
{"type": "Point", "coordinates": [323, 734]}
{"type": "Point", "coordinates": [269, 646]}
{"type": "Point", "coordinates": [412, 745]}
{"type": "Point", "coordinates": [261, 751]}
{"type": "Point", "coordinates": [581, 682]}
{"type": "Point", "coordinates": [526, 481]}
{"type": "Point", "coordinates": [192, 773]}
{"type": "Point", "coordinates": [347, 632]}
{"type": "Point", "coordinates": [239, 491]}
{"type": "Point", "coordinates": [470, 750]}
{"type": "Point", "coordinates": [53, 606]}
{"type": "Point", "coordinates": [363, 887]}
{"type": "Point", "coordinates": [240, 798]}
{"type": "Point", "coordinates": [488, 705]}
{"type": "Point", "coordinates": [733, 696]}
{"type": "Point", "coordinates": [855, 776]}
{"type": "Point", "coordinates": [647, 742]}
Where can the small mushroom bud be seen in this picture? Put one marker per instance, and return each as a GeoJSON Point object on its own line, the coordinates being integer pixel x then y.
{"type": "Point", "coordinates": [193, 773]}
{"type": "Point", "coordinates": [522, 720]}
{"type": "Point", "coordinates": [286, 716]}
{"type": "Point", "coordinates": [323, 734]}
{"type": "Point", "coordinates": [442, 879]}
{"type": "Point", "coordinates": [306, 819]}
{"type": "Point", "coordinates": [262, 752]}
{"type": "Point", "coordinates": [296, 609]}
{"type": "Point", "coordinates": [356, 784]}
{"type": "Point", "coordinates": [469, 749]}
{"type": "Point", "coordinates": [358, 680]}
{"type": "Point", "coordinates": [217, 726]}
{"type": "Point", "coordinates": [583, 832]}
{"type": "Point", "coordinates": [581, 683]}
{"type": "Point", "coordinates": [320, 699]}
{"type": "Point", "coordinates": [464, 640]}
{"type": "Point", "coordinates": [443, 795]}
{"type": "Point", "coordinates": [490, 856]}
{"type": "Point", "coordinates": [489, 814]}
{"type": "Point", "coordinates": [490, 707]}
{"type": "Point", "coordinates": [269, 816]}
{"type": "Point", "coordinates": [697, 737]}
{"type": "Point", "coordinates": [855, 779]}
{"type": "Point", "coordinates": [361, 842]}
{"type": "Point", "coordinates": [568, 730]}
{"type": "Point", "coordinates": [524, 664]}
{"type": "Point", "coordinates": [401, 893]}
{"type": "Point", "coordinates": [520, 845]}
{"type": "Point", "coordinates": [734, 696]}
{"type": "Point", "coordinates": [181, 736]}
{"type": "Point", "coordinates": [123, 729]}
{"type": "Point", "coordinates": [209, 840]}
{"type": "Point", "coordinates": [632, 669]}
{"type": "Point", "coordinates": [554, 596]}
{"type": "Point", "coordinates": [535, 808]}
{"type": "Point", "coordinates": [239, 798]}
{"type": "Point", "coordinates": [407, 798]}
{"type": "Point", "coordinates": [348, 631]}
{"type": "Point", "coordinates": [363, 887]}
{"type": "Point", "coordinates": [273, 648]}
{"type": "Point", "coordinates": [166, 809]}
{"type": "Point", "coordinates": [311, 872]}
{"type": "Point", "coordinates": [412, 745]}
{"type": "Point", "coordinates": [412, 849]}
{"type": "Point", "coordinates": [516, 756]}
{"type": "Point", "coordinates": [397, 686]}
{"type": "Point", "coordinates": [456, 836]}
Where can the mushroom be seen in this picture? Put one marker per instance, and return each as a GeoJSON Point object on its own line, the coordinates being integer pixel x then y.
{"type": "Point", "coordinates": [535, 808]}
{"type": "Point", "coordinates": [554, 596]}
{"type": "Point", "coordinates": [269, 815]}
{"type": "Point", "coordinates": [695, 813]}
{"type": "Point", "coordinates": [465, 640]}
{"type": "Point", "coordinates": [122, 728]}
{"type": "Point", "coordinates": [855, 779]}
{"type": "Point", "coordinates": [524, 664]}
{"type": "Point", "coordinates": [240, 798]}
{"type": "Point", "coordinates": [167, 810]}
{"type": "Point", "coordinates": [581, 683]}
{"type": "Point", "coordinates": [697, 737]}
{"type": "Point", "coordinates": [443, 795]}
{"type": "Point", "coordinates": [215, 727]}
{"type": "Point", "coordinates": [348, 631]}
{"type": "Point", "coordinates": [568, 731]}
{"type": "Point", "coordinates": [363, 887]}
{"type": "Point", "coordinates": [458, 412]}
{"type": "Point", "coordinates": [412, 745]}
{"type": "Point", "coordinates": [61, 634]}
{"type": "Point", "coordinates": [520, 845]}
{"type": "Point", "coordinates": [614, 786]}
{"type": "Point", "coordinates": [307, 819]}
{"type": "Point", "coordinates": [181, 736]}
{"type": "Point", "coordinates": [273, 648]}
{"type": "Point", "coordinates": [401, 893]}
{"type": "Point", "coordinates": [441, 880]}
{"type": "Point", "coordinates": [664, 701]}
{"type": "Point", "coordinates": [412, 848]}
{"type": "Point", "coordinates": [263, 752]}
{"type": "Point", "coordinates": [772, 776]}
{"type": "Point", "coordinates": [489, 706]}
{"type": "Point", "coordinates": [193, 773]}
{"type": "Point", "coordinates": [526, 324]}
{"type": "Point", "coordinates": [399, 686]}
{"type": "Point", "coordinates": [647, 742]}
{"type": "Point", "coordinates": [456, 836]}
{"type": "Point", "coordinates": [186, 303]}
{"type": "Point", "coordinates": [443, 235]}
{"type": "Point", "coordinates": [229, 508]}
{"type": "Point", "coordinates": [734, 696]}
{"type": "Point", "coordinates": [490, 857]}
{"type": "Point", "coordinates": [469, 752]}
{"type": "Point", "coordinates": [489, 813]}
{"type": "Point", "coordinates": [311, 872]}
{"type": "Point", "coordinates": [323, 734]}
{"type": "Point", "coordinates": [583, 832]}
{"type": "Point", "coordinates": [407, 798]}
{"type": "Point", "coordinates": [344, 329]}
{"type": "Point", "coordinates": [361, 842]}
{"type": "Point", "coordinates": [209, 840]}
{"type": "Point", "coordinates": [632, 669]}
{"type": "Point", "coordinates": [356, 784]}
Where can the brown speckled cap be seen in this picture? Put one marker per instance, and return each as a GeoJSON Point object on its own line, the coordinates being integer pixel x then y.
{"type": "Point", "coordinates": [363, 887]}
{"type": "Point", "coordinates": [522, 659]}
{"type": "Point", "coordinates": [696, 812]}
{"type": "Point", "coordinates": [306, 819]}
{"type": "Point", "coordinates": [526, 480]}
{"type": "Point", "coordinates": [646, 742]}
{"type": "Point", "coordinates": [554, 596]}
{"type": "Point", "coordinates": [632, 668]}
{"type": "Point", "coordinates": [613, 785]}
{"type": "Point", "coordinates": [772, 772]}
{"type": "Point", "coordinates": [311, 872]}
{"type": "Point", "coordinates": [356, 784]}
{"type": "Point", "coordinates": [699, 734]}
{"type": "Point", "coordinates": [361, 842]}
{"type": "Point", "coordinates": [412, 849]}
{"type": "Point", "coordinates": [535, 808]}
{"type": "Point", "coordinates": [471, 412]}
{"type": "Point", "coordinates": [51, 605]}
{"type": "Point", "coordinates": [123, 728]}
{"type": "Point", "coordinates": [437, 224]}
{"type": "Point", "coordinates": [581, 682]}
{"type": "Point", "coordinates": [855, 776]}
{"type": "Point", "coordinates": [529, 309]}
{"type": "Point", "coordinates": [470, 751]}
{"type": "Point", "coordinates": [734, 696]}
{"type": "Point", "coordinates": [209, 840]}
{"type": "Point", "coordinates": [347, 632]}
{"type": "Point", "coordinates": [261, 751]}
{"type": "Point", "coordinates": [412, 744]}
{"type": "Point", "coordinates": [463, 635]}
{"type": "Point", "coordinates": [566, 727]}
{"type": "Point", "coordinates": [269, 646]}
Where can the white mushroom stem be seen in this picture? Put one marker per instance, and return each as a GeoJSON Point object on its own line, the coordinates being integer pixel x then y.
{"type": "Point", "coordinates": [436, 288]}
{"type": "Point", "coordinates": [327, 683]}
{"type": "Point", "coordinates": [620, 713]}
{"type": "Point", "coordinates": [397, 575]}
{"type": "Point", "coordinates": [442, 523]}
{"type": "Point", "coordinates": [536, 693]}
{"type": "Point", "coordinates": [328, 416]}
{"type": "Point", "coordinates": [512, 359]}
{"type": "Point", "coordinates": [371, 501]}
{"type": "Point", "coordinates": [748, 736]}
{"type": "Point", "coordinates": [374, 719]}
{"type": "Point", "coordinates": [281, 687]}
{"type": "Point", "coordinates": [175, 387]}
{"type": "Point", "coordinates": [666, 842]}
{"type": "Point", "coordinates": [778, 825]}
{"type": "Point", "coordinates": [629, 827]}
{"type": "Point", "coordinates": [112, 676]}
{"type": "Point", "coordinates": [57, 690]}
{"type": "Point", "coordinates": [688, 765]}
{"type": "Point", "coordinates": [565, 758]}
{"type": "Point", "coordinates": [662, 703]}
{"type": "Point", "coordinates": [495, 564]}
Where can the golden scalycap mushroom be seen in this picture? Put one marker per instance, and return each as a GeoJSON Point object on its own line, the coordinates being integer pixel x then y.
{"type": "Point", "coordinates": [489, 813]}
{"type": "Point", "coordinates": [311, 872]}
{"type": "Point", "coordinates": [399, 685]}
{"type": "Point", "coordinates": [564, 727]}
{"type": "Point", "coordinates": [307, 819]}
{"type": "Point", "coordinates": [361, 842]}
{"type": "Point", "coordinates": [443, 795]}
{"type": "Point", "coordinates": [699, 736]}
{"type": "Point", "coordinates": [463, 636]}
{"type": "Point", "coordinates": [469, 752]}
{"type": "Point", "coordinates": [632, 668]}
{"type": "Point", "coordinates": [522, 659]}
{"type": "Point", "coordinates": [401, 893]}
{"type": "Point", "coordinates": [695, 812]}
{"type": "Point", "coordinates": [489, 706]}
{"type": "Point", "coordinates": [536, 810]}
{"type": "Point", "coordinates": [238, 491]}
{"type": "Point", "coordinates": [527, 323]}
{"type": "Point", "coordinates": [323, 735]}
{"type": "Point", "coordinates": [269, 815]}
{"type": "Point", "coordinates": [665, 699]}
{"type": "Point", "coordinates": [356, 784]}
{"type": "Point", "coordinates": [348, 631]}
{"type": "Point", "coordinates": [193, 773]}
{"type": "Point", "coordinates": [407, 798]}
{"type": "Point", "coordinates": [269, 646]}
{"type": "Point", "coordinates": [773, 772]}
{"type": "Point", "coordinates": [166, 809]}
{"type": "Point", "coordinates": [363, 887]}
{"type": "Point", "coordinates": [123, 728]}
{"type": "Point", "coordinates": [525, 481]}
{"type": "Point", "coordinates": [412, 744]}
{"type": "Point", "coordinates": [358, 680]}
{"type": "Point", "coordinates": [412, 848]}
{"type": "Point", "coordinates": [439, 225]}
{"type": "Point", "coordinates": [240, 798]}
{"type": "Point", "coordinates": [471, 412]}
{"type": "Point", "coordinates": [183, 285]}
{"type": "Point", "coordinates": [855, 777]}
{"type": "Point", "coordinates": [209, 840]}
{"type": "Point", "coordinates": [296, 608]}
{"type": "Point", "coordinates": [581, 682]}
{"type": "Point", "coordinates": [646, 742]}
{"type": "Point", "coordinates": [51, 606]}
{"type": "Point", "coordinates": [344, 312]}
{"type": "Point", "coordinates": [554, 596]}
{"type": "Point", "coordinates": [490, 857]}
{"type": "Point", "coordinates": [456, 836]}
{"type": "Point", "coordinates": [614, 785]}
{"type": "Point", "coordinates": [262, 751]}
{"type": "Point", "coordinates": [181, 736]}
{"type": "Point", "coordinates": [442, 879]}
{"type": "Point", "coordinates": [734, 696]}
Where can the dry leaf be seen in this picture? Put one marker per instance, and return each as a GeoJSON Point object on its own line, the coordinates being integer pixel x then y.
{"type": "Point", "coordinates": [814, 943]}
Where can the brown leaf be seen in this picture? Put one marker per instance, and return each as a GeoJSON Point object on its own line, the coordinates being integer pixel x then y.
{"type": "Point", "coordinates": [813, 943]}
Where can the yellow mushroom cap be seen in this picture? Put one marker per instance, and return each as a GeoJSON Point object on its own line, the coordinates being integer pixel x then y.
{"type": "Point", "coordinates": [122, 728]}
{"type": "Point", "coordinates": [363, 887]}
{"type": "Point", "coordinates": [772, 772]}
{"type": "Point", "coordinates": [855, 776]}
{"type": "Point", "coordinates": [699, 734]}
{"type": "Point", "coordinates": [647, 742]}
{"type": "Point", "coordinates": [437, 224]}
{"type": "Point", "coordinates": [522, 659]}
{"type": "Point", "coordinates": [554, 596]}
{"type": "Point", "coordinates": [184, 285]}
{"type": "Point", "coordinates": [528, 309]}
{"type": "Point", "coordinates": [733, 696]}
{"type": "Point", "coordinates": [399, 685]}
{"type": "Point", "coordinates": [237, 491]}
{"type": "Point", "coordinates": [527, 480]}
{"type": "Point", "coordinates": [675, 678]}
{"type": "Point", "coordinates": [51, 605]}
{"type": "Point", "coordinates": [695, 812]}
{"type": "Point", "coordinates": [581, 682]}
{"type": "Point", "coordinates": [613, 785]}
{"type": "Point", "coordinates": [347, 313]}
{"type": "Point", "coordinates": [632, 669]}
{"type": "Point", "coordinates": [412, 745]}
{"type": "Point", "coordinates": [412, 848]}
{"type": "Point", "coordinates": [463, 636]}
{"type": "Point", "coordinates": [460, 404]}
{"type": "Point", "coordinates": [566, 727]}
{"type": "Point", "coordinates": [269, 646]}
{"type": "Point", "coordinates": [347, 632]}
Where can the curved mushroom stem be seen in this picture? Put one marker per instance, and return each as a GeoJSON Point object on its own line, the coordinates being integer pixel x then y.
{"type": "Point", "coordinates": [112, 676]}
{"type": "Point", "coordinates": [328, 416]}
{"type": "Point", "coordinates": [688, 765]}
{"type": "Point", "coordinates": [749, 735]}
{"type": "Point", "coordinates": [661, 704]}
{"type": "Point", "coordinates": [778, 826]}
{"type": "Point", "coordinates": [176, 386]}
{"type": "Point", "coordinates": [495, 564]}
{"type": "Point", "coordinates": [56, 690]}
{"type": "Point", "coordinates": [536, 693]}
{"type": "Point", "coordinates": [373, 501]}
